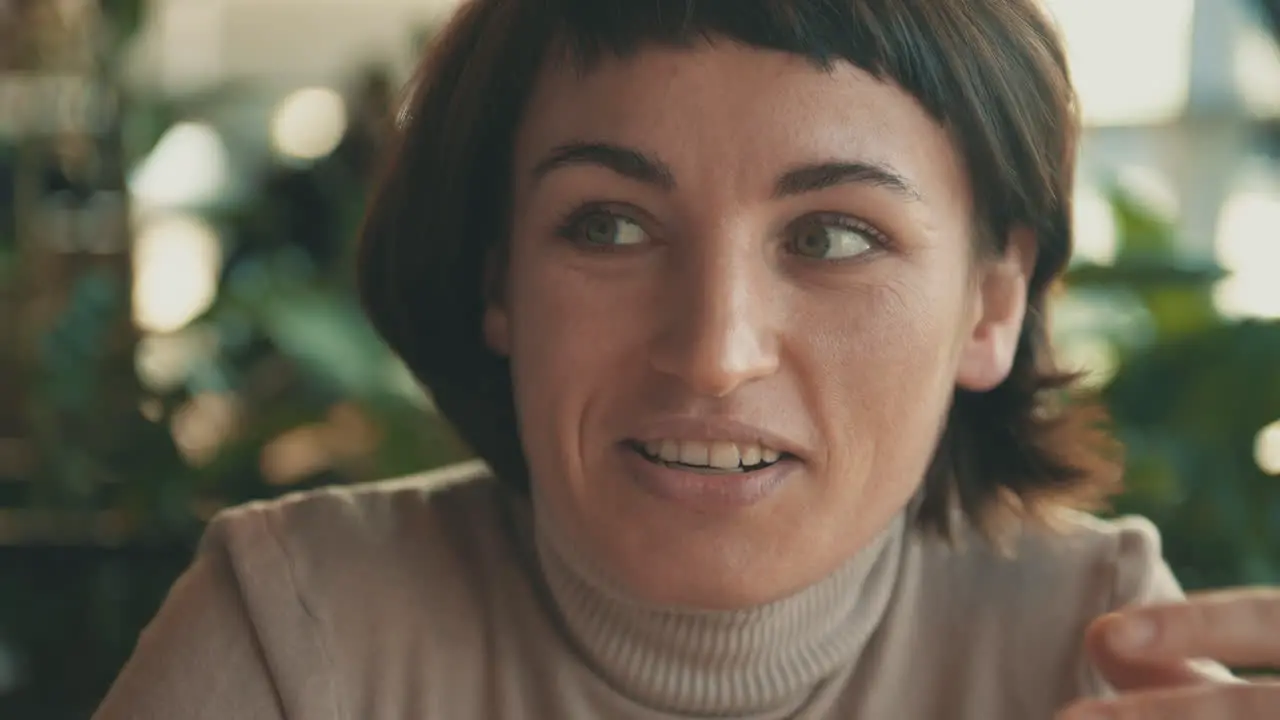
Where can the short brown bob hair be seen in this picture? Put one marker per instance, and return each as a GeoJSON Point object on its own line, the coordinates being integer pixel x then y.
{"type": "Point", "coordinates": [992, 72]}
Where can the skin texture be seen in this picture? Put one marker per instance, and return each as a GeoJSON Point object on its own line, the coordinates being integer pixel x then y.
{"type": "Point", "coordinates": [713, 308]}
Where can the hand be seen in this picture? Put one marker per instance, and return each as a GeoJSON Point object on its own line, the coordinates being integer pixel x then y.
{"type": "Point", "coordinates": [1147, 654]}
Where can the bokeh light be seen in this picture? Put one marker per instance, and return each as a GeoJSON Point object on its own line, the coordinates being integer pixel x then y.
{"type": "Point", "coordinates": [187, 168]}
{"type": "Point", "coordinates": [308, 124]}
{"type": "Point", "coordinates": [176, 262]}
{"type": "Point", "coordinates": [1267, 449]}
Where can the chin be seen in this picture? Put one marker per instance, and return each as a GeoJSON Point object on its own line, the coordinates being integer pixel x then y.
{"type": "Point", "coordinates": [676, 537]}
{"type": "Point", "coordinates": [708, 562]}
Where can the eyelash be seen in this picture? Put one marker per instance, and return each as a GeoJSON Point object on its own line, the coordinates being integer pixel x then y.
{"type": "Point", "coordinates": [567, 228]}
{"type": "Point", "coordinates": [845, 222]}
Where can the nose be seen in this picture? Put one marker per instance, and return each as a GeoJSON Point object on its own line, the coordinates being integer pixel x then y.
{"type": "Point", "coordinates": [718, 329]}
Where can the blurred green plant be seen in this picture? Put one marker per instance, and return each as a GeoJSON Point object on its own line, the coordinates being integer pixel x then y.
{"type": "Point", "coordinates": [279, 386]}
{"type": "Point", "coordinates": [1190, 394]}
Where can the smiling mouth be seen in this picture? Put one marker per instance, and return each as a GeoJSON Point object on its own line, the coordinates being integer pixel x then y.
{"type": "Point", "coordinates": [710, 458]}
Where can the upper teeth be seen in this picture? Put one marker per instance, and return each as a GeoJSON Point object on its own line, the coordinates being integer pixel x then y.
{"type": "Point", "coordinates": [718, 454]}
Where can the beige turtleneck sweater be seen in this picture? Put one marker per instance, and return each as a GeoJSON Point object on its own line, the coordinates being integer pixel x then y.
{"type": "Point", "coordinates": [437, 597]}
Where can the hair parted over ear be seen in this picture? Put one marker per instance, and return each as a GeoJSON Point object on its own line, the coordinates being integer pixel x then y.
{"type": "Point", "coordinates": [993, 72]}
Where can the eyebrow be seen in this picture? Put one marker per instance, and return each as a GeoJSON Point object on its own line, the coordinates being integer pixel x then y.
{"type": "Point", "coordinates": [624, 161]}
{"type": "Point", "coordinates": [643, 167]}
{"type": "Point", "coordinates": [820, 176]}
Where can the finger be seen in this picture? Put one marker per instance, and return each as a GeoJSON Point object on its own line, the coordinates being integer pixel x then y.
{"type": "Point", "coordinates": [1124, 672]}
{"type": "Point", "coordinates": [1236, 627]}
{"type": "Point", "coordinates": [1203, 702]}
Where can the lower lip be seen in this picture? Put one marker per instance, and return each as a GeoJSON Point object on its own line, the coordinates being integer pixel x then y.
{"type": "Point", "coordinates": [708, 491]}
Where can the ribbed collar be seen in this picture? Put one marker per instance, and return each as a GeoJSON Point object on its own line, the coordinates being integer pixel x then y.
{"type": "Point", "coordinates": [758, 662]}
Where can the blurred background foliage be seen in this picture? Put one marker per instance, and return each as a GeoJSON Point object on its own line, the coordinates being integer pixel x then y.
{"type": "Point", "coordinates": [1190, 391]}
{"type": "Point", "coordinates": [124, 425]}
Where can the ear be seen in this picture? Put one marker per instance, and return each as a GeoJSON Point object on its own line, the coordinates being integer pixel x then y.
{"type": "Point", "coordinates": [989, 350]}
{"type": "Point", "coordinates": [496, 322]}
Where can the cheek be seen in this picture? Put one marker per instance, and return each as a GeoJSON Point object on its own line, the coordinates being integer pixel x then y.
{"type": "Point", "coordinates": [570, 350]}
{"type": "Point", "coordinates": [892, 358]}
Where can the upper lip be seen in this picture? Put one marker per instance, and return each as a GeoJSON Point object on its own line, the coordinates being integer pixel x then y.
{"type": "Point", "coordinates": [710, 429]}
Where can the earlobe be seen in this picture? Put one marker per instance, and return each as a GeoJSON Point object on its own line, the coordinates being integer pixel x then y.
{"type": "Point", "coordinates": [497, 330]}
{"type": "Point", "coordinates": [992, 344]}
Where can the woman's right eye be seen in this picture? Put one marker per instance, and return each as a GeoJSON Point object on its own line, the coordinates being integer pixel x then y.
{"type": "Point", "coordinates": [600, 228]}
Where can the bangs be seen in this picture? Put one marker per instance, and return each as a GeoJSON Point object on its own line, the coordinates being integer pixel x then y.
{"type": "Point", "coordinates": [819, 31]}
{"type": "Point", "coordinates": [915, 43]}
{"type": "Point", "coordinates": [989, 72]}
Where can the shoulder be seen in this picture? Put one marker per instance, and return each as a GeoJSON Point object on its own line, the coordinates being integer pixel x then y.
{"type": "Point", "coordinates": [1125, 554]}
{"type": "Point", "coordinates": [1103, 563]}
{"type": "Point", "coordinates": [1024, 609]}
{"type": "Point", "coordinates": [331, 524]}
{"type": "Point", "coordinates": [1118, 561]}
{"type": "Point", "coordinates": [344, 585]}
{"type": "Point", "coordinates": [349, 563]}
{"type": "Point", "coordinates": [365, 506]}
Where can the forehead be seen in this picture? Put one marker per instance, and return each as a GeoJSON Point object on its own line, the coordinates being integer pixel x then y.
{"type": "Point", "coordinates": [740, 108]}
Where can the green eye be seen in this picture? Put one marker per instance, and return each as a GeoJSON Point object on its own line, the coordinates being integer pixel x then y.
{"type": "Point", "coordinates": [605, 229]}
{"type": "Point", "coordinates": [831, 241]}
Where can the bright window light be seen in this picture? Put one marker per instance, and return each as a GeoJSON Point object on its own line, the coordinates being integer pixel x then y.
{"type": "Point", "coordinates": [189, 38]}
{"type": "Point", "coordinates": [1130, 59]}
{"type": "Point", "coordinates": [1248, 247]}
{"type": "Point", "coordinates": [1095, 227]}
{"type": "Point", "coordinates": [176, 261]}
{"type": "Point", "coordinates": [1257, 71]}
{"type": "Point", "coordinates": [309, 124]}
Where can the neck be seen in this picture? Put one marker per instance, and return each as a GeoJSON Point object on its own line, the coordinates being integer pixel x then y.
{"type": "Point", "coordinates": [760, 659]}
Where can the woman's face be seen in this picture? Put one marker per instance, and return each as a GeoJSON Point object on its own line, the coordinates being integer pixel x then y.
{"type": "Point", "coordinates": [740, 293]}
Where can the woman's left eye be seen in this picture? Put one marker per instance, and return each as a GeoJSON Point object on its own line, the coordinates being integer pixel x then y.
{"type": "Point", "coordinates": [831, 241]}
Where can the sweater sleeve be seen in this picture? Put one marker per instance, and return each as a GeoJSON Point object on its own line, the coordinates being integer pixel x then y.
{"type": "Point", "coordinates": [233, 638]}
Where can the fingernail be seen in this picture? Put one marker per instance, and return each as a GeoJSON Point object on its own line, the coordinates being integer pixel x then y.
{"type": "Point", "coordinates": [1132, 634]}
